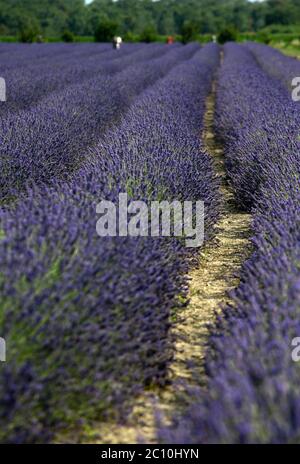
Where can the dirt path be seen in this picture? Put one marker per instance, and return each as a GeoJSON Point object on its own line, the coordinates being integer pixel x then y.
{"type": "Point", "coordinates": [216, 273]}
{"type": "Point", "coordinates": [219, 264]}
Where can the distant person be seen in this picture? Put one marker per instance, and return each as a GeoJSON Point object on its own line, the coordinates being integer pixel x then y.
{"type": "Point", "coordinates": [117, 42]}
{"type": "Point", "coordinates": [170, 40]}
{"type": "Point", "coordinates": [214, 39]}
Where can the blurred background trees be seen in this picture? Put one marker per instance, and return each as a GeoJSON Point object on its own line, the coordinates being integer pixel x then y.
{"type": "Point", "coordinates": [189, 31]}
{"type": "Point", "coordinates": [228, 34]}
{"type": "Point", "coordinates": [106, 30]}
{"type": "Point", "coordinates": [143, 18]}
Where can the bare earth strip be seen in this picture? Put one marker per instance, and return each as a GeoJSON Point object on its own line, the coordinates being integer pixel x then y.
{"type": "Point", "coordinates": [219, 264]}
{"type": "Point", "coordinates": [216, 273]}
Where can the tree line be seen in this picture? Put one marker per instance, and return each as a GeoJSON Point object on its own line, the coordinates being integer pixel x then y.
{"type": "Point", "coordinates": [53, 18]}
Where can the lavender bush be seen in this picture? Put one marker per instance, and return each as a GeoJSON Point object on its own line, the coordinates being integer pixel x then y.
{"type": "Point", "coordinates": [253, 393]}
{"type": "Point", "coordinates": [86, 319]}
{"type": "Point", "coordinates": [276, 64]}
{"type": "Point", "coordinates": [29, 84]}
{"type": "Point", "coordinates": [50, 138]}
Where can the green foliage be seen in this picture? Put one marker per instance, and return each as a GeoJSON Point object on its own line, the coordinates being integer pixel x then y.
{"type": "Point", "coordinates": [204, 38]}
{"type": "Point", "coordinates": [189, 31]}
{"type": "Point", "coordinates": [8, 38]}
{"type": "Point", "coordinates": [282, 12]}
{"type": "Point", "coordinates": [4, 31]}
{"type": "Point", "coordinates": [290, 29]}
{"type": "Point", "coordinates": [29, 33]}
{"type": "Point", "coordinates": [130, 37]}
{"type": "Point", "coordinates": [84, 39]}
{"type": "Point", "coordinates": [106, 31]}
{"type": "Point", "coordinates": [148, 35]}
{"type": "Point", "coordinates": [189, 18]}
{"type": "Point", "coordinates": [68, 36]}
{"type": "Point", "coordinates": [228, 34]}
{"type": "Point", "coordinates": [263, 37]}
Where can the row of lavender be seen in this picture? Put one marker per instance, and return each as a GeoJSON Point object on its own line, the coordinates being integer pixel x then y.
{"type": "Point", "coordinates": [283, 68]}
{"type": "Point", "coordinates": [23, 55]}
{"type": "Point", "coordinates": [50, 138]}
{"type": "Point", "coordinates": [86, 319]}
{"type": "Point", "coordinates": [27, 85]}
{"type": "Point", "coordinates": [253, 392]}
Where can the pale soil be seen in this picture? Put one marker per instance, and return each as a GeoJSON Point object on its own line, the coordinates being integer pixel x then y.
{"type": "Point", "coordinates": [216, 273]}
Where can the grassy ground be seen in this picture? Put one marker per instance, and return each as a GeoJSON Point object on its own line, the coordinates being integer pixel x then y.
{"type": "Point", "coordinates": [290, 49]}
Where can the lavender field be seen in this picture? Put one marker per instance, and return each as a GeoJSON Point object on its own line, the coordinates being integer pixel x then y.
{"type": "Point", "coordinates": [138, 337]}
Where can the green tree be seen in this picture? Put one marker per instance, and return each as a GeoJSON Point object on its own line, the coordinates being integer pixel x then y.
{"type": "Point", "coordinates": [148, 35]}
{"type": "Point", "coordinates": [170, 17]}
{"type": "Point", "coordinates": [68, 36]}
{"type": "Point", "coordinates": [106, 31]}
{"type": "Point", "coordinates": [280, 12]}
{"type": "Point", "coordinates": [189, 31]}
{"type": "Point", "coordinates": [227, 35]}
{"type": "Point", "coordinates": [29, 32]}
